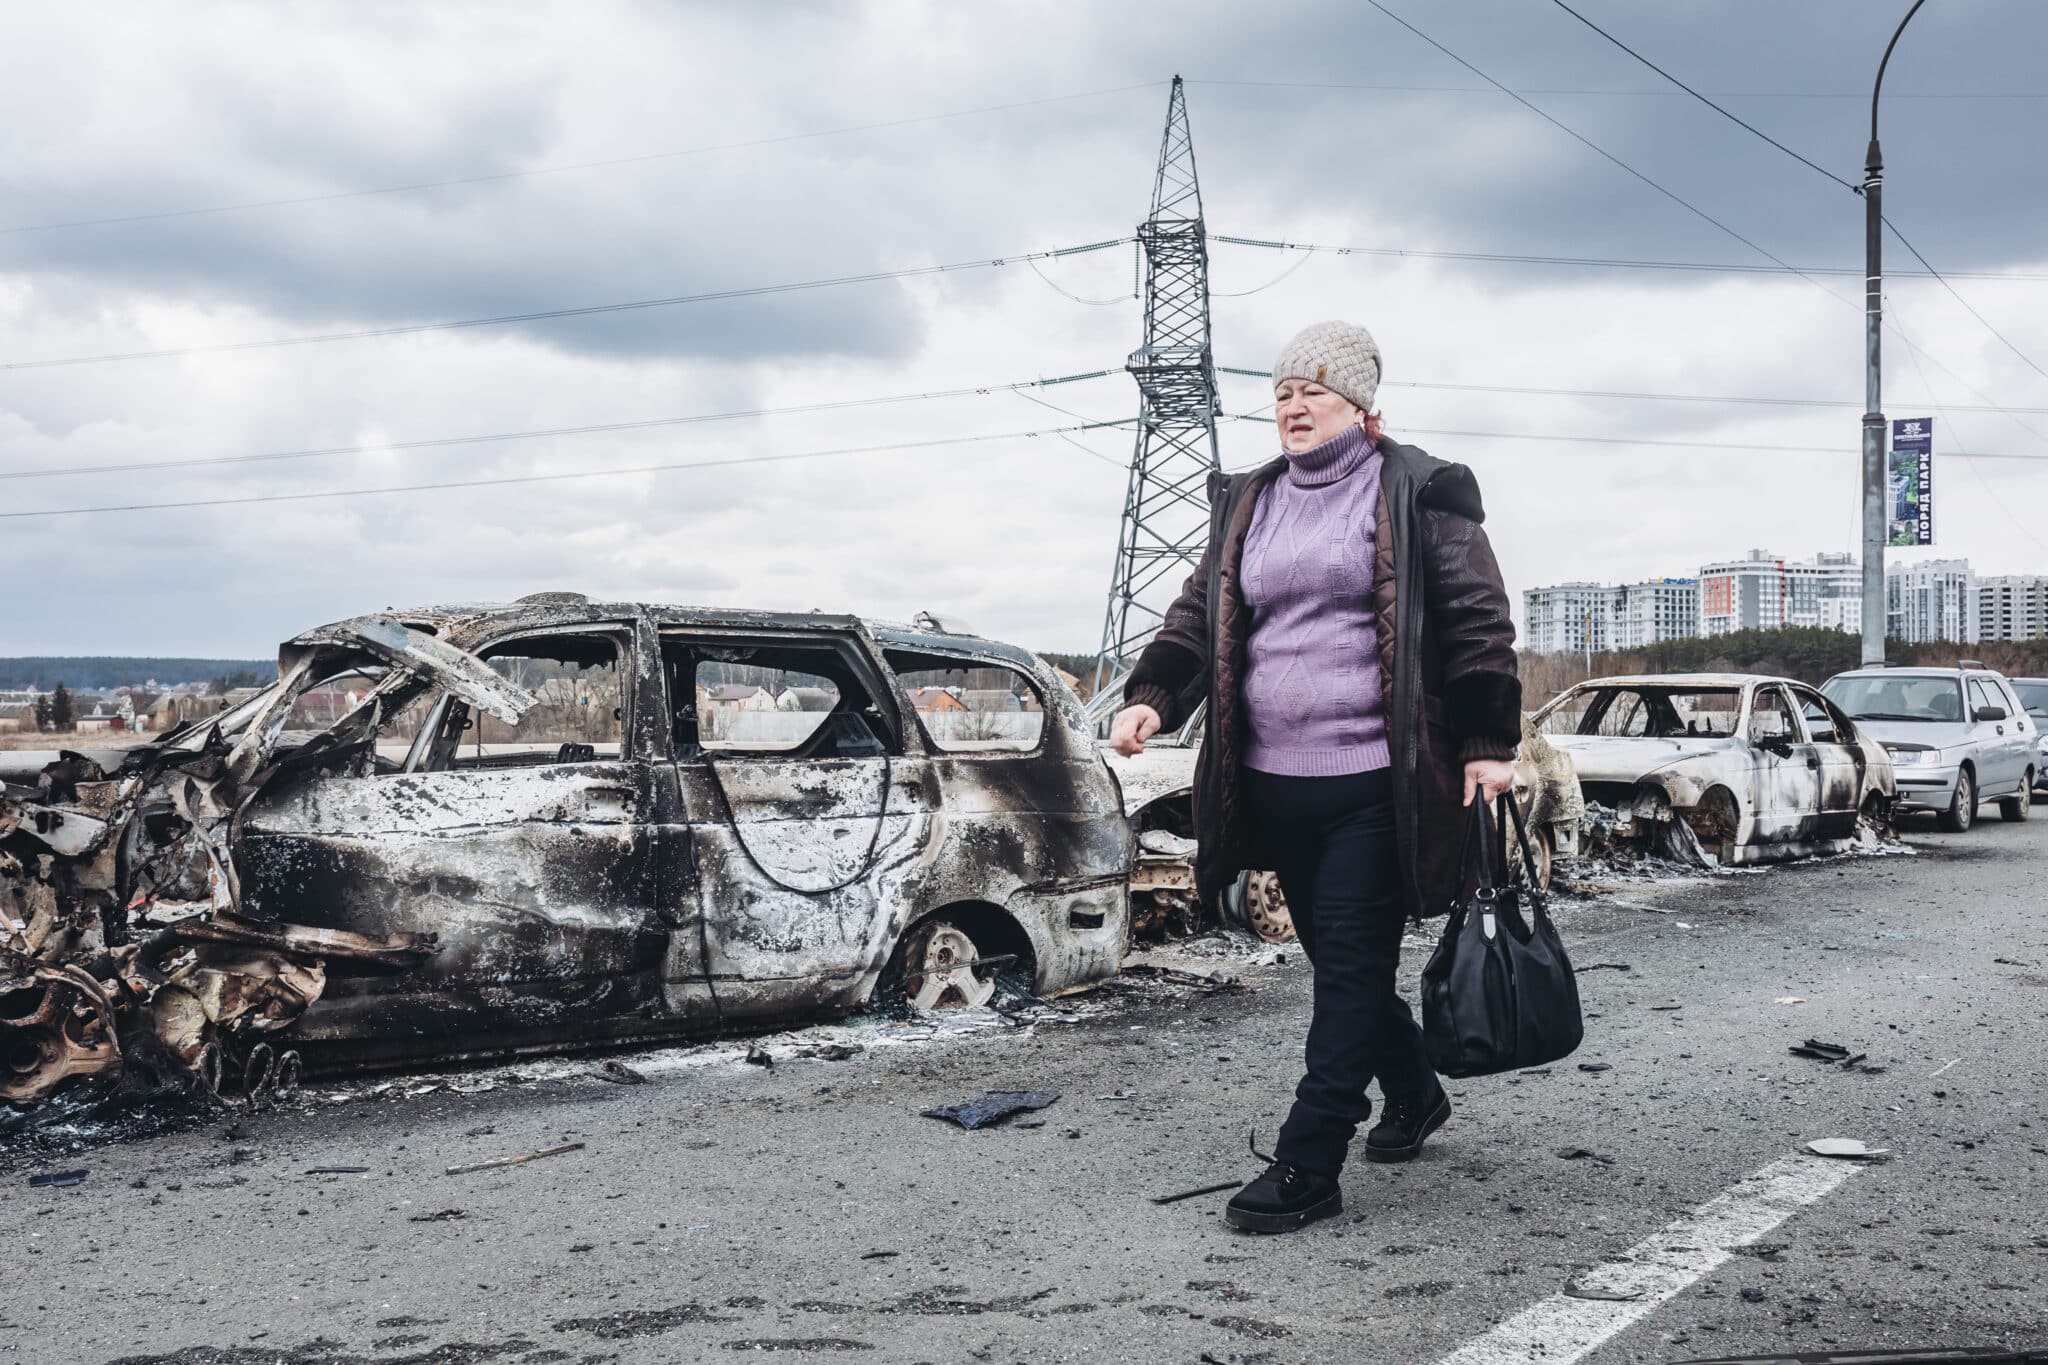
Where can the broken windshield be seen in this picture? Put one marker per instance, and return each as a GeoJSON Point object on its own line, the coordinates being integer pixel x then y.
{"type": "Point", "coordinates": [1646, 712]}
{"type": "Point", "coordinates": [1869, 697]}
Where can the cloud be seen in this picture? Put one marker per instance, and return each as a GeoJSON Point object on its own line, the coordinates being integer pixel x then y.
{"type": "Point", "coordinates": [1016, 536]}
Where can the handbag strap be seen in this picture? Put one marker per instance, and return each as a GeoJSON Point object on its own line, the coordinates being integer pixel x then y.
{"type": "Point", "coordinates": [1514, 810]}
{"type": "Point", "coordinates": [1478, 823]}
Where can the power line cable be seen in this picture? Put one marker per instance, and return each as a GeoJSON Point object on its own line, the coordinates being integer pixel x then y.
{"type": "Point", "coordinates": [1059, 288]}
{"type": "Point", "coordinates": [1645, 441]}
{"type": "Point", "coordinates": [512, 479]}
{"type": "Point", "coordinates": [2029, 360]}
{"type": "Point", "coordinates": [595, 428]}
{"type": "Point", "coordinates": [1537, 90]}
{"type": "Point", "coordinates": [1605, 262]}
{"type": "Point", "coordinates": [1587, 142]}
{"type": "Point", "coordinates": [1537, 391]}
{"type": "Point", "coordinates": [1735, 119]}
{"type": "Point", "coordinates": [494, 177]}
{"type": "Point", "coordinates": [547, 314]}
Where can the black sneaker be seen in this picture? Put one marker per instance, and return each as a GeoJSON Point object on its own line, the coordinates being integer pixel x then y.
{"type": "Point", "coordinates": [1399, 1133]}
{"type": "Point", "coordinates": [1283, 1199]}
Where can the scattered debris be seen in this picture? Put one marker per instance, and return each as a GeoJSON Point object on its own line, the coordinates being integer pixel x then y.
{"type": "Point", "coordinates": [1579, 1291]}
{"type": "Point", "coordinates": [2013, 962]}
{"type": "Point", "coordinates": [618, 1073]}
{"type": "Point", "coordinates": [1827, 1052]}
{"type": "Point", "coordinates": [1207, 981]}
{"type": "Point", "coordinates": [1217, 1188]}
{"type": "Point", "coordinates": [337, 1170]}
{"type": "Point", "coordinates": [1605, 967]}
{"type": "Point", "coordinates": [1595, 1066]}
{"type": "Point", "coordinates": [1667, 1007]}
{"type": "Point", "coordinates": [444, 1216]}
{"type": "Point", "coordinates": [1581, 1154]}
{"type": "Point", "coordinates": [1944, 1066]}
{"type": "Point", "coordinates": [760, 1056]}
{"type": "Point", "coordinates": [56, 1180]}
{"type": "Point", "coordinates": [519, 1160]}
{"type": "Point", "coordinates": [1790, 1000]}
{"type": "Point", "coordinates": [993, 1107]}
{"type": "Point", "coordinates": [878, 1255]}
{"type": "Point", "coordinates": [1753, 1296]}
{"type": "Point", "coordinates": [832, 1052]}
{"type": "Point", "coordinates": [1847, 1149]}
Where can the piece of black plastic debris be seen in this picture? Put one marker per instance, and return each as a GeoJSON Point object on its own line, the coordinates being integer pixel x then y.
{"type": "Point", "coordinates": [759, 1056]}
{"type": "Point", "coordinates": [441, 1216]}
{"type": "Point", "coordinates": [1595, 1066]}
{"type": "Point", "coordinates": [337, 1170]}
{"type": "Point", "coordinates": [1822, 1052]}
{"type": "Point", "coordinates": [1582, 1154]}
{"type": "Point", "coordinates": [1191, 1194]}
{"type": "Point", "coordinates": [1606, 967]}
{"type": "Point", "coordinates": [56, 1180]}
{"type": "Point", "coordinates": [832, 1052]}
{"type": "Point", "coordinates": [878, 1255]}
{"type": "Point", "coordinates": [993, 1107]}
{"type": "Point", "coordinates": [1753, 1295]}
{"type": "Point", "coordinates": [618, 1073]}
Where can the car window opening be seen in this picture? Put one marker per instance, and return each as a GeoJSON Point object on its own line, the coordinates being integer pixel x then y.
{"type": "Point", "coordinates": [1648, 712]}
{"type": "Point", "coordinates": [968, 706]}
{"type": "Point", "coordinates": [798, 699]}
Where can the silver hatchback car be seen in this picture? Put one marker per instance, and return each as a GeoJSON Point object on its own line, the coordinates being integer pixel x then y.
{"type": "Point", "coordinates": [2033, 694]}
{"type": "Point", "coordinates": [1957, 736]}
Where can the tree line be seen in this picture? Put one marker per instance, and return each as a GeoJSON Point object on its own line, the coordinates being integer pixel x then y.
{"type": "Point", "coordinates": [96, 673]}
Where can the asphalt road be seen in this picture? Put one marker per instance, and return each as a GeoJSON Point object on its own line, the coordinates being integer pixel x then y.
{"type": "Point", "coordinates": [721, 1206]}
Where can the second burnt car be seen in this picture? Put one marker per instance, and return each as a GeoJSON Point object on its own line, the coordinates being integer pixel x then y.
{"type": "Point", "coordinates": [477, 831]}
{"type": "Point", "coordinates": [1742, 767]}
{"type": "Point", "coordinates": [1158, 790]}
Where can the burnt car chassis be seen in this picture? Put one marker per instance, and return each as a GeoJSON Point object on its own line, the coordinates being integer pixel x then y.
{"type": "Point", "coordinates": [242, 897]}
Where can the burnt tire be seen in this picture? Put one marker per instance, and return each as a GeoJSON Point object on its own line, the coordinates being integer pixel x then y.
{"type": "Point", "coordinates": [1265, 908]}
{"type": "Point", "coordinates": [1542, 852]}
{"type": "Point", "coordinates": [1962, 805]}
{"type": "Point", "coordinates": [2013, 809]}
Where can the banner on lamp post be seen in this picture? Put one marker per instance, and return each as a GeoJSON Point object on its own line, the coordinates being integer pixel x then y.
{"type": "Point", "coordinates": [1909, 475]}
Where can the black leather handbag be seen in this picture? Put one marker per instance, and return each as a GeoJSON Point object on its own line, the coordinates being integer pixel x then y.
{"type": "Point", "coordinates": [1498, 993]}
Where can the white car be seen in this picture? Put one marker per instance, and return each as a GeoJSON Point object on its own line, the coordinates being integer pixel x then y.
{"type": "Point", "coordinates": [1751, 768]}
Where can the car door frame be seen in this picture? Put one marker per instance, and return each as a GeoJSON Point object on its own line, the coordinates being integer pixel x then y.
{"type": "Point", "coordinates": [753, 949]}
{"type": "Point", "coordinates": [1842, 766]}
{"type": "Point", "coordinates": [2020, 731]}
{"type": "Point", "coordinates": [1786, 785]}
{"type": "Point", "coordinates": [1990, 738]}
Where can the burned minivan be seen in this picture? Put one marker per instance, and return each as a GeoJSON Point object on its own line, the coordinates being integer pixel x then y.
{"type": "Point", "coordinates": [479, 831]}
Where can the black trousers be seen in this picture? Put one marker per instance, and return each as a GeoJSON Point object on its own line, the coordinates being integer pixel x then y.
{"type": "Point", "coordinates": [1331, 840]}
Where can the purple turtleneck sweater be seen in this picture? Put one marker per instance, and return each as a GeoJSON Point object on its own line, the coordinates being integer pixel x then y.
{"type": "Point", "coordinates": [1312, 694]}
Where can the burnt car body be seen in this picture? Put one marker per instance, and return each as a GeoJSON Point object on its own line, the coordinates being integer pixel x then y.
{"type": "Point", "coordinates": [1158, 788]}
{"type": "Point", "coordinates": [1748, 768]}
{"type": "Point", "coordinates": [477, 831]}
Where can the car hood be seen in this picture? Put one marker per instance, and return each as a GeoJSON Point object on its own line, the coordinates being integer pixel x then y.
{"type": "Point", "coordinates": [1610, 758]}
{"type": "Point", "coordinates": [1930, 734]}
{"type": "Point", "coordinates": [1160, 771]}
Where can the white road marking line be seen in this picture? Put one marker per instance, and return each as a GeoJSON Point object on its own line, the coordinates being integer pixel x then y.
{"type": "Point", "coordinates": [1562, 1329]}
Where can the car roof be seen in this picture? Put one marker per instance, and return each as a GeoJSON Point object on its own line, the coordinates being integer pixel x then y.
{"type": "Point", "coordinates": [1916, 673]}
{"type": "Point", "coordinates": [1684, 680]}
{"type": "Point", "coordinates": [466, 622]}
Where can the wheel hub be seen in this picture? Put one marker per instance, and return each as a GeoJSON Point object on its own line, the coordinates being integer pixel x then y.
{"type": "Point", "coordinates": [943, 973]}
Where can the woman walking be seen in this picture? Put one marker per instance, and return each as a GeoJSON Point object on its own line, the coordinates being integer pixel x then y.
{"type": "Point", "coordinates": [1349, 629]}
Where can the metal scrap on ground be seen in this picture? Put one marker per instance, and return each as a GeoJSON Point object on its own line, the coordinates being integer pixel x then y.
{"type": "Point", "coordinates": [993, 1107]}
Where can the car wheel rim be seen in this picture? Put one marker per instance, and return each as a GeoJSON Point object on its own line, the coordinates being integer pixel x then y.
{"type": "Point", "coordinates": [1266, 908]}
{"type": "Point", "coordinates": [942, 971]}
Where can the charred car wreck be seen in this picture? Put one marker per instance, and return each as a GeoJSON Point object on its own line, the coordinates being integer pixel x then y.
{"type": "Point", "coordinates": [1728, 768]}
{"type": "Point", "coordinates": [466, 832]}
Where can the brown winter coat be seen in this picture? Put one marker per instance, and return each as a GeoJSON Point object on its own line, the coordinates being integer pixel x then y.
{"type": "Point", "coordinates": [1447, 658]}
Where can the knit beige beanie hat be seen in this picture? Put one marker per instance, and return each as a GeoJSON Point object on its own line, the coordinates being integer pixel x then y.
{"type": "Point", "coordinates": [1340, 356]}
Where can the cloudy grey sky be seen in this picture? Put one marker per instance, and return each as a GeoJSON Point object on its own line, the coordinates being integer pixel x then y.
{"type": "Point", "coordinates": [729, 164]}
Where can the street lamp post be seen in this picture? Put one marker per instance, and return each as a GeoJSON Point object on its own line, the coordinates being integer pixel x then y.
{"type": "Point", "coordinates": [1876, 491]}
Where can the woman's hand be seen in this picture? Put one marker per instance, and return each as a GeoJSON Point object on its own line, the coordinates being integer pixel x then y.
{"type": "Point", "coordinates": [1494, 776]}
{"type": "Point", "coordinates": [1134, 725]}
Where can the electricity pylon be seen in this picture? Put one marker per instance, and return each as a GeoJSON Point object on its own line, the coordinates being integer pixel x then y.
{"type": "Point", "coordinates": [1166, 509]}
